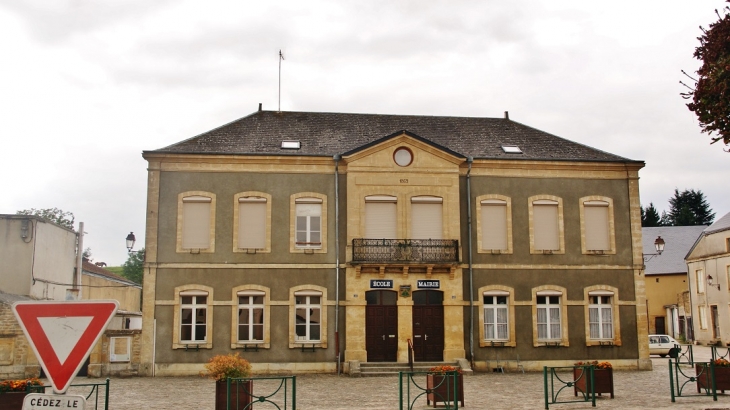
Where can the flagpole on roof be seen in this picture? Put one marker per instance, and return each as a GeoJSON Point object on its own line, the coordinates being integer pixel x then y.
{"type": "Point", "coordinates": [281, 57]}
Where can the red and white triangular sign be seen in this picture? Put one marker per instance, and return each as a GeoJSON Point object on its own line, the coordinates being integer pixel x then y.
{"type": "Point", "coordinates": [62, 334]}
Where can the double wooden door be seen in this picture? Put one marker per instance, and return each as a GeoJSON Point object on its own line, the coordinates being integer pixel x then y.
{"type": "Point", "coordinates": [381, 326]}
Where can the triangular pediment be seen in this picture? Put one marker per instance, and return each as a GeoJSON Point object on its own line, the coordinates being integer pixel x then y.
{"type": "Point", "coordinates": [392, 152]}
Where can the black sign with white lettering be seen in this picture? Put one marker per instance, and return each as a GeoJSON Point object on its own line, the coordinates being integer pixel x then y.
{"type": "Point", "coordinates": [429, 284]}
{"type": "Point", "coordinates": [381, 284]}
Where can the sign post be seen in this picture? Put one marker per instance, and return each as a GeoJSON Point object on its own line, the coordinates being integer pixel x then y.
{"type": "Point", "coordinates": [62, 335]}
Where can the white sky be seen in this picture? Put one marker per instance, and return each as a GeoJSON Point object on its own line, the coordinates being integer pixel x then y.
{"type": "Point", "coordinates": [86, 86]}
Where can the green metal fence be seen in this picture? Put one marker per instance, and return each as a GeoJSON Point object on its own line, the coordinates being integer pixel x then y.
{"type": "Point", "coordinates": [682, 377]}
{"type": "Point", "coordinates": [95, 398]}
{"type": "Point", "coordinates": [720, 352]}
{"type": "Point", "coordinates": [683, 354]}
{"type": "Point", "coordinates": [269, 392]}
{"type": "Point", "coordinates": [567, 380]}
{"type": "Point", "coordinates": [446, 388]}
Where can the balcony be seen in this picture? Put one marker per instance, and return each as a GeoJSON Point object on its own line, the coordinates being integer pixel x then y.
{"type": "Point", "coordinates": [404, 251]}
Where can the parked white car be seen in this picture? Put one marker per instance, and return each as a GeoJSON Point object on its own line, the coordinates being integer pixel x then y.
{"type": "Point", "coordinates": [660, 344]}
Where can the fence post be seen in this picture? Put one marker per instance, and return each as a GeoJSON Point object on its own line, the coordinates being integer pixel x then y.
{"type": "Point", "coordinates": [106, 395]}
{"type": "Point", "coordinates": [545, 385]}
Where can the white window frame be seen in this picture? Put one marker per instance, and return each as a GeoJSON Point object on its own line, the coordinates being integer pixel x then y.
{"type": "Point", "coordinates": [308, 198]}
{"type": "Point", "coordinates": [552, 339]}
{"type": "Point", "coordinates": [496, 330]}
{"type": "Point", "coordinates": [308, 291]}
{"type": "Point", "coordinates": [308, 305]}
{"type": "Point", "coordinates": [251, 309]}
{"type": "Point", "coordinates": [178, 306]}
{"type": "Point", "coordinates": [700, 279]}
{"type": "Point", "coordinates": [251, 290]}
{"type": "Point", "coordinates": [602, 291]}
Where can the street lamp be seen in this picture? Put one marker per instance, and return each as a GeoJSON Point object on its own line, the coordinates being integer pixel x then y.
{"type": "Point", "coordinates": [130, 242]}
{"type": "Point", "coordinates": [711, 282]}
{"type": "Point", "coordinates": [658, 246]}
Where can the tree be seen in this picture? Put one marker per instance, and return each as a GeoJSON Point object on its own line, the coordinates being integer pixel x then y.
{"type": "Point", "coordinates": [55, 215]}
{"type": "Point", "coordinates": [688, 208]}
{"type": "Point", "coordinates": [711, 93]}
{"type": "Point", "coordinates": [650, 217]}
{"type": "Point", "coordinates": [133, 268]}
{"type": "Point", "coordinates": [87, 254]}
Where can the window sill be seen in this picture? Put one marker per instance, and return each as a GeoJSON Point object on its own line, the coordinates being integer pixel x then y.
{"type": "Point", "coordinates": [551, 344]}
{"type": "Point", "coordinates": [306, 344]}
{"type": "Point", "coordinates": [250, 347]}
{"type": "Point", "coordinates": [495, 343]}
{"type": "Point", "coordinates": [192, 346]}
{"type": "Point", "coordinates": [603, 343]}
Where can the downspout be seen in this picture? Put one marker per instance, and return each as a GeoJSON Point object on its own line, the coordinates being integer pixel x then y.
{"type": "Point", "coordinates": [469, 161]}
{"type": "Point", "coordinates": [337, 260]}
{"type": "Point", "coordinates": [79, 263]}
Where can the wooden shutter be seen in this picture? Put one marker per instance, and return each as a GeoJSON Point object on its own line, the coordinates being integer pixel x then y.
{"type": "Point", "coordinates": [596, 225]}
{"type": "Point", "coordinates": [196, 222]}
{"type": "Point", "coordinates": [380, 217]}
{"type": "Point", "coordinates": [545, 222]}
{"type": "Point", "coordinates": [252, 223]}
{"type": "Point", "coordinates": [426, 217]}
{"type": "Point", "coordinates": [494, 224]}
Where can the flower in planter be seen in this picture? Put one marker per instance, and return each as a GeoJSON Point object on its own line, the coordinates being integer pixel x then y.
{"type": "Point", "coordinates": [595, 363]}
{"type": "Point", "coordinates": [19, 385]}
{"type": "Point", "coordinates": [221, 367]}
{"type": "Point", "coordinates": [721, 363]}
{"type": "Point", "coordinates": [444, 369]}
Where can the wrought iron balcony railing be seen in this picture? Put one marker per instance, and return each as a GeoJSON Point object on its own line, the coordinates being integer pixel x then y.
{"type": "Point", "coordinates": [405, 250]}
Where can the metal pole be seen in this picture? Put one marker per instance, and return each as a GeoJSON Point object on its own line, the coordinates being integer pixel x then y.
{"type": "Point", "coordinates": [79, 262]}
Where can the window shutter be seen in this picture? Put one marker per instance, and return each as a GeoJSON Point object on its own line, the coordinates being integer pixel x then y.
{"type": "Point", "coordinates": [426, 218]}
{"type": "Point", "coordinates": [596, 226]}
{"type": "Point", "coordinates": [494, 224]}
{"type": "Point", "coordinates": [380, 217]}
{"type": "Point", "coordinates": [196, 222]}
{"type": "Point", "coordinates": [545, 220]}
{"type": "Point", "coordinates": [252, 223]}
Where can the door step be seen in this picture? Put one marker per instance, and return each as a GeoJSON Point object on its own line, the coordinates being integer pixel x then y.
{"type": "Point", "coordinates": [371, 369]}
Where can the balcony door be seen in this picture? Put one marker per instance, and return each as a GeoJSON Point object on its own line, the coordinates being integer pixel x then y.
{"type": "Point", "coordinates": [427, 217]}
{"type": "Point", "coordinates": [381, 326]}
{"type": "Point", "coordinates": [380, 217]}
{"type": "Point", "coordinates": [428, 326]}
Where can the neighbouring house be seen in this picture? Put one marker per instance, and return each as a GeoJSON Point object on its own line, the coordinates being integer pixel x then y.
{"type": "Point", "coordinates": [708, 266]}
{"type": "Point", "coordinates": [667, 289]}
{"type": "Point", "coordinates": [314, 242]}
{"type": "Point", "coordinates": [39, 263]}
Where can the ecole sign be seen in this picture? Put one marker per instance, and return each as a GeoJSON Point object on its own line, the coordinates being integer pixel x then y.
{"type": "Point", "coordinates": [381, 284]}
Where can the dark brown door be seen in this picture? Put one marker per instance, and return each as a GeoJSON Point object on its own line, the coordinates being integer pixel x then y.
{"type": "Point", "coordinates": [381, 326]}
{"type": "Point", "coordinates": [428, 326]}
{"type": "Point", "coordinates": [659, 325]}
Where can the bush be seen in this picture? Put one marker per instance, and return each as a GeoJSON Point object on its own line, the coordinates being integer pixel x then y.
{"type": "Point", "coordinates": [596, 364]}
{"type": "Point", "coordinates": [221, 367]}
{"type": "Point", "coordinates": [19, 385]}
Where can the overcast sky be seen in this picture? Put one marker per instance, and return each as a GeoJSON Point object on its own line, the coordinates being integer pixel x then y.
{"type": "Point", "coordinates": [86, 86]}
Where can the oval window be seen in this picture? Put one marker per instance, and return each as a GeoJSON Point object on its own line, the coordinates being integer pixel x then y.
{"type": "Point", "coordinates": [403, 157]}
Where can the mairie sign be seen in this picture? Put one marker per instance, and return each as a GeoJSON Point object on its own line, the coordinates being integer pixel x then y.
{"type": "Point", "coordinates": [381, 284]}
{"type": "Point", "coordinates": [428, 284]}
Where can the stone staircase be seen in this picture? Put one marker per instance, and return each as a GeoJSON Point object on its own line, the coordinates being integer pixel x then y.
{"type": "Point", "coordinates": [392, 368]}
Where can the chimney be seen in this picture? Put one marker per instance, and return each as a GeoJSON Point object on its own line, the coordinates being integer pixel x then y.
{"type": "Point", "coordinates": [260, 106]}
{"type": "Point", "coordinates": [506, 115]}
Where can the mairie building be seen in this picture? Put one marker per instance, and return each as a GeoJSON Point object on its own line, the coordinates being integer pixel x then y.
{"type": "Point", "coordinates": [315, 242]}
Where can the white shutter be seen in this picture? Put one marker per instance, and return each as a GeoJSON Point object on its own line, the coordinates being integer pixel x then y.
{"type": "Point", "coordinates": [426, 218]}
{"type": "Point", "coordinates": [545, 220]}
{"type": "Point", "coordinates": [196, 222]}
{"type": "Point", "coordinates": [380, 217]}
{"type": "Point", "coordinates": [252, 223]}
{"type": "Point", "coordinates": [596, 225]}
{"type": "Point", "coordinates": [494, 224]}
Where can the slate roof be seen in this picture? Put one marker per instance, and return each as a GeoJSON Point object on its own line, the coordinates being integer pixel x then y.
{"type": "Point", "coordinates": [679, 240]}
{"type": "Point", "coordinates": [721, 224]}
{"type": "Point", "coordinates": [91, 268]}
{"type": "Point", "coordinates": [328, 134]}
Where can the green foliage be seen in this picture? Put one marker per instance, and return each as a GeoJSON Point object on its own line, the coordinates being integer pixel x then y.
{"type": "Point", "coordinates": [689, 208]}
{"type": "Point", "coordinates": [117, 270]}
{"type": "Point", "coordinates": [52, 214]}
{"type": "Point", "coordinates": [650, 217]}
{"type": "Point", "coordinates": [133, 268]}
{"type": "Point", "coordinates": [711, 93]}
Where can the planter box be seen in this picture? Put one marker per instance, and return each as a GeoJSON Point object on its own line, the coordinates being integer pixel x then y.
{"type": "Point", "coordinates": [440, 388]}
{"type": "Point", "coordinates": [243, 391]}
{"type": "Point", "coordinates": [704, 380]}
{"type": "Point", "coordinates": [602, 383]}
{"type": "Point", "coordinates": [12, 400]}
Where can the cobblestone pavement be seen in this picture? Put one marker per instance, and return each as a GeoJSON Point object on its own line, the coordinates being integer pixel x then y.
{"type": "Point", "coordinates": [633, 390]}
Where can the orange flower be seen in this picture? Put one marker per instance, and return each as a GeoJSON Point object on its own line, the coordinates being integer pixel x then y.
{"type": "Point", "coordinates": [19, 385]}
{"type": "Point", "coordinates": [221, 367]}
{"type": "Point", "coordinates": [444, 369]}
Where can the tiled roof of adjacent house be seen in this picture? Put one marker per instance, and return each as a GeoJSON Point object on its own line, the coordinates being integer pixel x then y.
{"type": "Point", "coordinates": [328, 134]}
{"type": "Point", "coordinates": [721, 224]}
{"type": "Point", "coordinates": [9, 298]}
{"type": "Point", "coordinates": [91, 268]}
{"type": "Point", "coordinates": [678, 241]}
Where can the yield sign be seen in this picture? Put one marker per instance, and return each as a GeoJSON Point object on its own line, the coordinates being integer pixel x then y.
{"type": "Point", "coordinates": [62, 334]}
